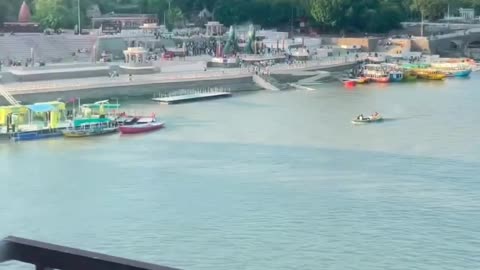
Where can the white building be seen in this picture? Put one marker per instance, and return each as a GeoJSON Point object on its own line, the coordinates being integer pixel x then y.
{"type": "Point", "coordinates": [467, 13]}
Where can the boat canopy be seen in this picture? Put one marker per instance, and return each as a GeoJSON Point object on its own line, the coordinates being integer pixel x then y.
{"type": "Point", "coordinates": [101, 105]}
{"type": "Point", "coordinates": [41, 108]}
{"type": "Point", "coordinates": [20, 110]}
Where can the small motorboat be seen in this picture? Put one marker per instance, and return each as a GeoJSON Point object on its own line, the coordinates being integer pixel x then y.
{"type": "Point", "coordinates": [376, 117]}
{"type": "Point", "coordinates": [145, 124]}
{"type": "Point", "coordinates": [349, 82]}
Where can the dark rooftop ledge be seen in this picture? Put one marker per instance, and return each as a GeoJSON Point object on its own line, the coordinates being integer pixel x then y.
{"type": "Point", "coordinates": [49, 256]}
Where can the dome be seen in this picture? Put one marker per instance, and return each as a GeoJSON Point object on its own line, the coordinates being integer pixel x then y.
{"type": "Point", "coordinates": [24, 15]}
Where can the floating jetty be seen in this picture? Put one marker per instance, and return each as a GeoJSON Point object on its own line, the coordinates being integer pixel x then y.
{"type": "Point", "coordinates": [192, 95]}
{"type": "Point", "coordinates": [47, 256]}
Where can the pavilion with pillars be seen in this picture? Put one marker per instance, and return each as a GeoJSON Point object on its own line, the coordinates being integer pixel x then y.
{"type": "Point", "coordinates": [136, 61]}
{"type": "Point", "coordinates": [135, 56]}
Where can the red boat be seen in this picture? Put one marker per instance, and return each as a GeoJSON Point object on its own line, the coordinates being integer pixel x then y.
{"type": "Point", "coordinates": [380, 79]}
{"type": "Point", "coordinates": [349, 83]}
{"type": "Point", "coordinates": [142, 125]}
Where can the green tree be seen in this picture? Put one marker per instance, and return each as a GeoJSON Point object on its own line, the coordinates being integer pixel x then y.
{"type": "Point", "coordinates": [50, 13]}
{"type": "Point", "coordinates": [329, 13]}
{"type": "Point", "coordinates": [4, 10]}
{"type": "Point", "coordinates": [174, 17]}
{"type": "Point", "coordinates": [431, 9]}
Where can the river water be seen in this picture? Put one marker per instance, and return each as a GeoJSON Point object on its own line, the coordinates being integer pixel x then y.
{"type": "Point", "coordinates": [266, 180]}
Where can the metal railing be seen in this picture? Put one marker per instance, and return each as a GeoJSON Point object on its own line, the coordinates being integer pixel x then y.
{"type": "Point", "coordinates": [8, 97]}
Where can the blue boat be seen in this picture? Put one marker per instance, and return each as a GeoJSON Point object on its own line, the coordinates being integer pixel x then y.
{"type": "Point", "coordinates": [462, 73]}
{"type": "Point", "coordinates": [395, 76]}
{"type": "Point", "coordinates": [34, 122]}
{"type": "Point", "coordinates": [36, 135]}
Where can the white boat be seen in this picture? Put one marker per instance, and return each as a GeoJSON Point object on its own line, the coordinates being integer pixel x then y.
{"type": "Point", "coordinates": [367, 120]}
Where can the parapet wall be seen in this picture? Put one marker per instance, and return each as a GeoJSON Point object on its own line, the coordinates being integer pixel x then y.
{"type": "Point", "coordinates": [236, 84]}
{"type": "Point", "coordinates": [366, 44]}
{"type": "Point", "coordinates": [421, 44]}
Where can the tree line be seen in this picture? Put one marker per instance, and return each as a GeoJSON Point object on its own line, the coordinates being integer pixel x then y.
{"type": "Point", "coordinates": [327, 15]}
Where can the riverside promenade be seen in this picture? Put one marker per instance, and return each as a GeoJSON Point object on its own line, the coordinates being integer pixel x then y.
{"type": "Point", "coordinates": [99, 87]}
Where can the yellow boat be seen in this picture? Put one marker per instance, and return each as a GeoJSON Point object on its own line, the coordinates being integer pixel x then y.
{"type": "Point", "coordinates": [362, 80]}
{"type": "Point", "coordinates": [429, 74]}
{"type": "Point", "coordinates": [410, 76]}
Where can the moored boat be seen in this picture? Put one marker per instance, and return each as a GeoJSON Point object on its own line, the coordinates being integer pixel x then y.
{"type": "Point", "coordinates": [429, 74]}
{"type": "Point", "coordinates": [88, 132]}
{"type": "Point", "coordinates": [145, 124]}
{"type": "Point", "coordinates": [33, 122]}
{"type": "Point", "coordinates": [394, 72]}
{"type": "Point", "coordinates": [361, 80]}
{"type": "Point", "coordinates": [395, 76]}
{"type": "Point", "coordinates": [375, 73]}
{"type": "Point", "coordinates": [462, 73]}
{"type": "Point", "coordinates": [459, 69]}
{"type": "Point", "coordinates": [36, 134]}
{"type": "Point", "coordinates": [409, 76]}
{"type": "Point", "coordinates": [349, 83]}
{"type": "Point", "coordinates": [380, 79]}
{"type": "Point", "coordinates": [95, 127]}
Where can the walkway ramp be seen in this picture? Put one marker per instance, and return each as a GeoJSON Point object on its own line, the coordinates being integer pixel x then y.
{"type": "Point", "coordinates": [313, 79]}
{"type": "Point", "coordinates": [47, 256]}
{"type": "Point", "coordinates": [8, 97]}
{"type": "Point", "coordinates": [301, 87]}
{"type": "Point", "coordinates": [264, 84]}
{"type": "Point", "coordinates": [191, 97]}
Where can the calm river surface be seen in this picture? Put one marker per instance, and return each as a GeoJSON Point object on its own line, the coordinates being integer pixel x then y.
{"type": "Point", "coordinates": [266, 180]}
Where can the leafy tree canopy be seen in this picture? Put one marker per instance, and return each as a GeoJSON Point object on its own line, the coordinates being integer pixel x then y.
{"type": "Point", "coordinates": [330, 15]}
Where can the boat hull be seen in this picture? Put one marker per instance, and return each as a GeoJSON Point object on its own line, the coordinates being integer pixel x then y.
{"type": "Point", "coordinates": [410, 78]}
{"type": "Point", "coordinates": [36, 135]}
{"type": "Point", "coordinates": [361, 80]}
{"type": "Point", "coordinates": [136, 129]}
{"type": "Point", "coordinates": [396, 77]}
{"type": "Point", "coordinates": [381, 80]}
{"type": "Point", "coordinates": [462, 73]}
{"type": "Point", "coordinates": [367, 121]}
{"type": "Point", "coordinates": [76, 133]}
{"type": "Point", "coordinates": [350, 83]}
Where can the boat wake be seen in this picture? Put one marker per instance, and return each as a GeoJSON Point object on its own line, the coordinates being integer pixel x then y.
{"type": "Point", "coordinates": [393, 119]}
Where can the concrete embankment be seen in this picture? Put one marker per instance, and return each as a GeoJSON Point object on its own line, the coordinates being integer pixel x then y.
{"type": "Point", "coordinates": [102, 88]}
{"type": "Point", "coordinates": [150, 84]}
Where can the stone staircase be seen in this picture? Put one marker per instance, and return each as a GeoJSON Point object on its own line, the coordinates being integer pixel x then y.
{"type": "Point", "coordinates": [53, 48]}
{"type": "Point", "coordinates": [262, 83]}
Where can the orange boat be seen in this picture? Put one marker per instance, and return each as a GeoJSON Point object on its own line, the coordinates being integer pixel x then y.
{"type": "Point", "coordinates": [381, 79]}
{"type": "Point", "coordinates": [362, 80]}
{"type": "Point", "coordinates": [376, 73]}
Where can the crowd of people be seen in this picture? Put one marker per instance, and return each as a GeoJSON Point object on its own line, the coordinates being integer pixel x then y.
{"type": "Point", "coordinates": [201, 47]}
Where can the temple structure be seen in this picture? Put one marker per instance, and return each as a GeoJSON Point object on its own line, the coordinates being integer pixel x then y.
{"type": "Point", "coordinates": [24, 23]}
{"type": "Point", "coordinates": [214, 28]}
{"type": "Point", "coordinates": [136, 61]}
{"type": "Point", "coordinates": [250, 46]}
{"type": "Point", "coordinates": [231, 47]}
{"type": "Point", "coordinates": [135, 56]}
{"type": "Point", "coordinates": [24, 15]}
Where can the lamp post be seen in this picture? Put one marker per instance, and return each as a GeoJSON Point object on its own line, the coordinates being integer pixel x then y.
{"type": "Point", "coordinates": [421, 25]}
{"type": "Point", "coordinates": [79, 27]}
